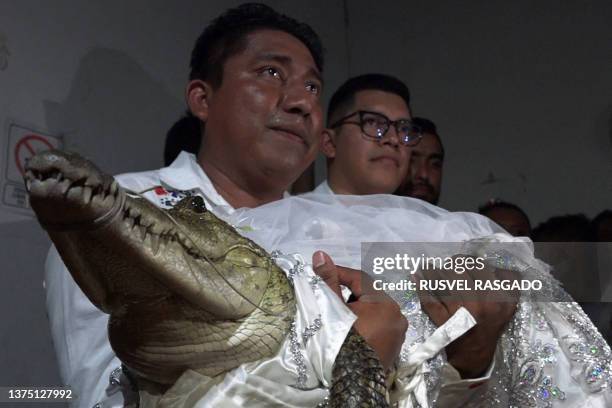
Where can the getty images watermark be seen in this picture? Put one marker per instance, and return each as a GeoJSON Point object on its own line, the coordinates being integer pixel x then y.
{"type": "Point", "coordinates": [491, 270]}
{"type": "Point", "coordinates": [479, 279]}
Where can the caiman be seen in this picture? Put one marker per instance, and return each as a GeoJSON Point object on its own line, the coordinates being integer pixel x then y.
{"type": "Point", "coordinates": [184, 290]}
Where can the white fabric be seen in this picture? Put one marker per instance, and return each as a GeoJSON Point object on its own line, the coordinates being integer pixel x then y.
{"type": "Point", "coordinates": [79, 329]}
{"type": "Point", "coordinates": [272, 383]}
{"type": "Point", "coordinates": [411, 375]}
{"type": "Point", "coordinates": [461, 388]}
{"type": "Point", "coordinates": [543, 357]}
{"type": "Point", "coordinates": [323, 188]}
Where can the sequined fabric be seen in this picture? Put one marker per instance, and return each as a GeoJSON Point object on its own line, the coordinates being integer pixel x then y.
{"type": "Point", "coordinates": [550, 355]}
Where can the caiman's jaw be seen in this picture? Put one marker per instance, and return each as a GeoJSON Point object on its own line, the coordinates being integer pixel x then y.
{"type": "Point", "coordinates": [76, 193]}
{"type": "Point", "coordinates": [67, 190]}
{"type": "Point", "coordinates": [187, 249]}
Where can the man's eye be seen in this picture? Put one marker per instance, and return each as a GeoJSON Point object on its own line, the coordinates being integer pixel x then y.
{"type": "Point", "coordinates": [271, 71]}
{"type": "Point", "coordinates": [313, 88]}
{"type": "Point", "coordinates": [405, 129]}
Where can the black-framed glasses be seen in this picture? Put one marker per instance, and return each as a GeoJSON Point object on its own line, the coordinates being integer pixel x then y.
{"type": "Point", "coordinates": [375, 126]}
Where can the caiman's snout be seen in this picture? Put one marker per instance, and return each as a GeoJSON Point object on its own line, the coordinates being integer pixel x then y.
{"type": "Point", "coordinates": [67, 190]}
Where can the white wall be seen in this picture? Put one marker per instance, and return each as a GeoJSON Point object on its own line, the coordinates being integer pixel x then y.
{"type": "Point", "coordinates": [521, 90]}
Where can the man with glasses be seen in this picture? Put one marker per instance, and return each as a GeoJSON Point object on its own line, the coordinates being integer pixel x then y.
{"type": "Point", "coordinates": [368, 141]}
{"type": "Point", "coordinates": [533, 353]}
{"type": "Point", "coordinates": [368, 146]}
{"type": "Point", "coordinates": [424, 177]}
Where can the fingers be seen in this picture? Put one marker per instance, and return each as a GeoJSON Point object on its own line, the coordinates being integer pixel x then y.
{"type": "Point", "coordinates": [430, 303]}
{"type": "Point", "coordinates": [436, 311]}
{"type": "Point", "coordinates": [512, 296]}
{"type": "Point", "coordinates": [450, 299]}
{"type": "Point", "coordinates": [323, 266]}
{"type": "Point", "coordinates": [358, 282]}
{"type": "Point", "coordinates": [383, 327]}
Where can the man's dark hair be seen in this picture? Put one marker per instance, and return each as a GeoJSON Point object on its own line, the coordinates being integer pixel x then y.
{"type": "Point", "coordinates": [565, 228]}
{"type": "Point", "coordinates": [344, 97]}
{"type": "Point", "coordinates": [598, 222]}
{"type": "Point", "coordinates": [495, 204]}
{"type": "Point", "coordinates": [184, 135]}
{"type": "Point", "coordinates": [427, 126]}
{"type": "Point", "coordinates": [601, 217]}
{"type": "Point", "coordinates": [225, 36]}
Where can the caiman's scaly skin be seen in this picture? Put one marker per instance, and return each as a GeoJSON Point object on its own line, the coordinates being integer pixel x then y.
{"type": "Point", "coordinates": [183, 289]}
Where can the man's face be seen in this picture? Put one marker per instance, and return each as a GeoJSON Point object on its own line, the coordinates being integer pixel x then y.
{"type": "Point", "coordinates": [425, 173]}
{"type": "Point", "coordinates": [366, 166]}
{"type": "Point", "coordinates": [264, 121]}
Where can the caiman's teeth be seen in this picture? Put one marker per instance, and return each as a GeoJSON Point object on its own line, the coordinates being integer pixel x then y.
{"type": "Point", "coordinates": [154, 243]}
{"type": "Point", "coordinates": [143, 232]}
{"type": "Point", "coordinates": [130, 222]}
{"type": "Point", "coordinates": [157, 229]}
{"type": "Point", "coordinates": [74, 193]}
{"type": "Point", "coordinates": [113, 188]}
{"type": "Point", "coordinates": [96, 199]}
{"type": "Point", "coordinates": [134, 212]}
{"type": "Point", "coordinates": [86, 194]}
{"type": "Point", "coordinates": [28, 184]}
{"type": "Point", "coordinates": [64, 186]}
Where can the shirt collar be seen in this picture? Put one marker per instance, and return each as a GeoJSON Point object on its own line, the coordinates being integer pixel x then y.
{"type": "Point", "coordinates": [324, 188]}
{"type": "Point", "coordinates": [186, 174]}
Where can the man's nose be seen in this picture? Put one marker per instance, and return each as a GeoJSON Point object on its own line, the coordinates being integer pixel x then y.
{"type": "Point", "coordinates": [419, 170]}
{"type": "Point", "coordinates": [391, 138]}
{"type": "Point", "coordinates": [298, 100]}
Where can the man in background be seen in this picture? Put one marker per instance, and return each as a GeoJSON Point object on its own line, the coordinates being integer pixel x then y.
{"type": "Point", "coordinates": [368, 143]}
{"type": "Point", "coordinates": [509, 216]}
{"type": "Point", "coordinates": [184, 136]}
{"type": "Point", "coordinates": [424, 176]}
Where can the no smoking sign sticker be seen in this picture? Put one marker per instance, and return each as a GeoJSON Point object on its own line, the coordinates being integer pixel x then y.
{"type": "Point", "coordinates": [23, 143]}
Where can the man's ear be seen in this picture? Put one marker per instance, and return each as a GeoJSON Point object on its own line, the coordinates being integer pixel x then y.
{"type": "Point", "coordinates": [328, 143]}
{"type": "Point", "coordinates": [198, 94]}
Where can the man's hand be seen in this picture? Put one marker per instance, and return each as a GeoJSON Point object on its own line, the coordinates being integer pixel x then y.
{"type": "Point", "coordinates": [472, 353]}
{"type": "Point", "coordinates": [379, 320]}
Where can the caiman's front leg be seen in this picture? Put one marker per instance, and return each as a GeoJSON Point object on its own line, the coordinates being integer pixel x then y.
{"type": "Point", "coordinates": [358, 377]}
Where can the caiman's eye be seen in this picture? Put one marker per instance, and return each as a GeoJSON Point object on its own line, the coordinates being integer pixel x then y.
{"type": "Point", "coordinates": [198, 205]}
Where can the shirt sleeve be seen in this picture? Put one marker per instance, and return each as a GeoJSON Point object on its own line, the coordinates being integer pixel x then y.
{"type": "Point", "coordinates": [79, 332]}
